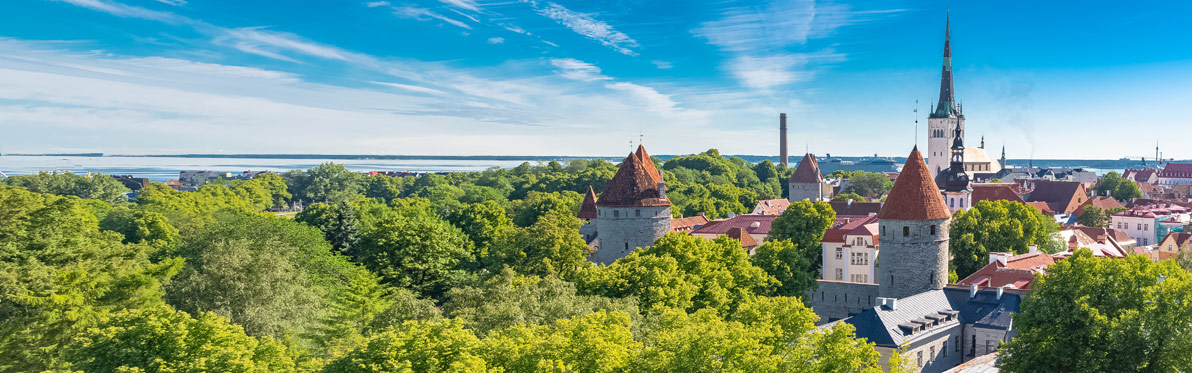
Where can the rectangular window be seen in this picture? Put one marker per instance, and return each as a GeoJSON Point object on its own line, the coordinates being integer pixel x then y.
{"type": "Point", "coordinates": [839, 274]}
{"type": "Point", "coordinates": [920, 355]}
{"type": "Point", "coordinates": [957, 343]}
{"type": "Point", "coordinates": [839, 253]}
{"type": "Point", "coordinates": [944, 349]}
{"type": "Point", "coordinates": [1146, 227]}
{"type": "Point", "coordinates": [616, 213]}
{"type": "Point", "coordinates": [906, 231]}
{"type": "Point", "coordinates": [931, 356]}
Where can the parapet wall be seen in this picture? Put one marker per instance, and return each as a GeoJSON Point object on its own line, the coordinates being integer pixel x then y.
{"type": "Point", "coordinates": [835, 300]}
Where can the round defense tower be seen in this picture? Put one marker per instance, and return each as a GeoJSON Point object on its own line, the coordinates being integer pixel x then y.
{"type": "Point", "coordinates": [913, 227]}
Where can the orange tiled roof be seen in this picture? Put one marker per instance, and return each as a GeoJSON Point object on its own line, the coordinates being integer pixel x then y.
{"type": "Point", "coordinates": [648, 163]}
{"type": "Point", "coordinates": [632, 186]}
{"type": "Point", "coordinates": [688, 223]}
{"type": "Point", "coordinates": [771, 206]}
{"type": "Point", "coordinates": [1019, 270]}
{"type": "Point", "coordinates": [915, 195]}
{"type": "Point", "coordinates": [587, 210]}
{"type": "Point", "coordinates": [1101, 202]}
{"type": "Point", "coordinates": [740, 235]}
{"type": "Point", "coordinates": [994, 192]}
{"type": "Point", "coordinates": [807, 172]}
{"type": "Point", "coordinates": [1042, 207]}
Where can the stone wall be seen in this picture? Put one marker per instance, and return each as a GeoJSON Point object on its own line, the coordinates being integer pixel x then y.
{"type": "Point", "coordinates": [914, 257]}
{"type": "Point", "coordinates": [835, 300]}
{"type": "Point", "coordinates": [624, 229]}
{"type": "Point", "coordinates": [805, 191]}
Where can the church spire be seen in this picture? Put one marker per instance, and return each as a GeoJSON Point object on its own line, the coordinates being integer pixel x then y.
{"type": "Point", "coordinates": [947, 103]}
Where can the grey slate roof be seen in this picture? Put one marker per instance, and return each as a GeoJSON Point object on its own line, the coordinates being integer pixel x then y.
{"type": "Point", "coordinates": [881, 326]}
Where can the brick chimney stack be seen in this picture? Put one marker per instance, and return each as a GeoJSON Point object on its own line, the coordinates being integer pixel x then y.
{"type": "Point", "coordinates": [783, 156]}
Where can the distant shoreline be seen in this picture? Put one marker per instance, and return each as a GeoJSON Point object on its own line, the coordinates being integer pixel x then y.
{"type": "Point", "coordinates": [494, 157]}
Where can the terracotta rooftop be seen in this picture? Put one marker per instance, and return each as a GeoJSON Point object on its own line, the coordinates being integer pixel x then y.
{"type": "Point", "coordinates": [1061, 196]}
{"type": "Point", "coordinates": [745, 222]}
{"type": "Point", "coordinates": [808, 171]}
{"type": "Point", "coordinates": [1042, 207]}
{"type": "Point", "coordinates": [688, 223]}
{"type": "Point", "coordinates": [1180, 238]}
{"type": "Point", "coordinates": [648, 162]}
{"type": "Point", "coordinates": [1104, 203]}
{"type": "Point", "coordinates": [1177, 170]}
{"type": "Point", "coordinates": [1018, 271]}
{"type": "Point", "coordinates": [1139, 175]}
{"type": "Point", "coordinates": [915, 195]}
{"type": "Point", "coordinates": [743, 236]}
{"type": "Point", "coordinates": [994, 192]}
{"type": "Point", "coordinates": [865, 225]}
{"type": "Point", "coordinates": [587, 210]}
{"type": "Point", "coordinates": [771, 206]}
{"type": "Point", "coordinates": [855, 208]}
{"type": "Point", "coordinates": [632, 186]}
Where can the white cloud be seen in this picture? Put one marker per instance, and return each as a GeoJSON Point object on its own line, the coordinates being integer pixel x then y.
{"type": "Point", "coordinates": [173, 2]}
{"type": "Point", "coordinates": [664, 65]}
{"type": "Point", "coordinates": [128, 11]}
{"type": "Point", "coordinates": [267, 43]}
{"type": "Point", "coordinates": [574, 69]}
{"type": "Point", "coordinates": [374, 4]}
{"type": "Point", "coordinates": [412, 88]}
{"type": "Point", "coordinates": [464, 4]}
{"type": "Point", "coordinates": [423, 14]}
{"type": "Point", "coordinates": [587, 26]}
{"type": "Point", "coordinates": [496, 40]}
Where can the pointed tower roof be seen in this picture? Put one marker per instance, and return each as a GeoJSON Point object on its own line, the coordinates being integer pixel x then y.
{"type": "Point", "coordinates": [647, 162]}
{"type": "Point", "coordinates": [588, 209]}
{"type": "Point", "coordinates": [946, 107]}
{"type": "Point", "coordinates": [632, 186]}
{"type": "Point", "coordinates": [914, 196]}
{"type": "Point", "coordinates": [808, 171]}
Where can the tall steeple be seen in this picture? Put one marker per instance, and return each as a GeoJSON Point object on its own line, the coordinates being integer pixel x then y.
{"type": "Point", "coordinates": [946, 106]}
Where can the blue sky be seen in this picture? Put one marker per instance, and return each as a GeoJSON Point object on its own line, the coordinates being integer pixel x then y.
{"type": "Point", "coordinates": [530, 77]}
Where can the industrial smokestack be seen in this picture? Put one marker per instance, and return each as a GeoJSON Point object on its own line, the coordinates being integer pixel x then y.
{"type": "Point", "coordinates": [783, 156]}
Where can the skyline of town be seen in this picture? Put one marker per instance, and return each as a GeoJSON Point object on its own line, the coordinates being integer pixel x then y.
{"type": "Point", "coordinates": [169, 77]}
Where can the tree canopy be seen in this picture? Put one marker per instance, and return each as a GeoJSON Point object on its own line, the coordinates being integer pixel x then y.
{"type": "Point", "coordinates": [1002, 226]}
{"type": "Point", "coordinates": [1112, 184]}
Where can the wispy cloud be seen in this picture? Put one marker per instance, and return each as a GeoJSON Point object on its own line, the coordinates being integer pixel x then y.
{"type": "Point", "coordinates": [173, 2]}
{"type": "Point", "coordinates": [274, 44]}
{"type": "Point", "coordinates": [496, 40]}
{"type": "Point", "coordinates": [463, 4]}
{"type": "Point", "coordinates": [374, 4]}
{"type": "Point", "coordinates": [424, 14]}
{"type": "Point", "coordinates": [587, 26]}
{"type": "Point", "coordinates": [664, 65]}
{"type": "Point", "coordinates": [763, 39]}
{"type": "Point", "coordinates": [412, 88]}
{"type": "Point", "coordinates": [574, 69]}
{"type": "Point", "coordinates": [128, 11]}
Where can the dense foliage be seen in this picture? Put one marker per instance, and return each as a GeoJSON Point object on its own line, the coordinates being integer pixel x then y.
{"type": "Point", "coordinates": [1112, 184]}
{"type": "Point", "coordinates": [1090, 314]}
{"type": "Point", "coordinates": [465, 272]}
{"type": "Point", "coordinates": [999, 226]}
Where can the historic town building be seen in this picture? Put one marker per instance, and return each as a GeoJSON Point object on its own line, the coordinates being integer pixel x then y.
{"type": "Point", "coordinates": [806, 183]}
{"type": "Point", "coordinates": [945, 118]}
{"type": "Point", "coordinates": [632, 212]}
{"type": "Point", "coordinates": [954, 181]}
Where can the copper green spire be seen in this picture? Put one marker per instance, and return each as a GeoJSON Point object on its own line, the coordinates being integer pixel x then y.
{"type": "Point", "coordinates": [947, 103]}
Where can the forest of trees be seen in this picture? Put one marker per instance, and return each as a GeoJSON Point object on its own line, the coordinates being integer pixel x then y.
{"type": "Point", "coordinates": [481, 271]}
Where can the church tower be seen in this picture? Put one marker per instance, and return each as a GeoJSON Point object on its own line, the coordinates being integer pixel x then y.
{"type": "Point", "coordinates": [633, 211]}
{"type": "Point", "coordinates": [913, 224]}
{"type": "Point", "coordinates": [946, 116]}
{"type": "Point", "coordinates": [954, 181]}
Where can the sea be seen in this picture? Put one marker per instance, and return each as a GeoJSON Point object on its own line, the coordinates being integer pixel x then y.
{"type": "Point", "coordinates": [166, 167]}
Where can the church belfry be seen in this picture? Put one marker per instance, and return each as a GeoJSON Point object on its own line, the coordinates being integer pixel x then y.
{"type": "Point", "coordinates": [947, 114]}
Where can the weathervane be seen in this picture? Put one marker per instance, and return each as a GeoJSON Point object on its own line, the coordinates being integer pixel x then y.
{"type": "Point", "coordinates": [916, 123]}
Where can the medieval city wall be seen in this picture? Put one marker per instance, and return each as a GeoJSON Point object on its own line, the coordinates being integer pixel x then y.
{"type": "Point", "coordinates": [624, 229]}
{"type": "Point", "coordinates": [835, 300]}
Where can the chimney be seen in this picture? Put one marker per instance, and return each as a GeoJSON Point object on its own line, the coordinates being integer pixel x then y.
{"type": "Point", "coordinates": [1000, 289]}
{"type": "Point", "coordinates": [1033, 248]}
{"type": "Point", "coordinates": [783, 157]}
{"type": "Point", "coordinates": [973, 291]}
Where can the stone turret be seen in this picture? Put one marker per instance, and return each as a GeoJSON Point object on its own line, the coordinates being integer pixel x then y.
{"type": "Point", "coordinates": [913, 225]}
{"type": "Point", "coordinates": [806, 183]}
{"type": "Point", "coordinates": [633, 211]}
{"type": "Point", "coordinates": [954, 181]}
{"type": "Point", "coordinates": [587, 214]}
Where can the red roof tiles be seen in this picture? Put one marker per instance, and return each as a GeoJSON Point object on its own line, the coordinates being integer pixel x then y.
{"type": "Point", "coordinates": [915, 195]}
{"type": "Point", "coordinates": [771, 206]}
{"type": "Point", "coordinates": [1104, 203]}
{"type": "Point", "coordinates": [740, 235]}
{"type": "Point", "coordinates": [1177, 170]}
{"type": "Point", "coordinates": [1018, 271]}
{"type": "Point", "coordinates": [648, 163]}
{"type": "Point", "coordinates": [1061, 196]}
{"type": "Point", "coordinates": [632, 186]}
{"type": "Point", "coordinates": [994, 192]}
{"type": "Point", "coordinates": [745, 222]}
{"type": "Point", "coordinates": [587, 210]}
{"type": "Point", "coordinates": [855, 208]}
{"type": "Point", "coordinates": [1042, 207]}
{"type": "Point", "coordinates": [688, 223]}
{"type": "Point", "coordinates": [808, 171]}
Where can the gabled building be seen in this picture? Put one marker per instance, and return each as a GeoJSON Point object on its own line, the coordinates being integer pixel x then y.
{"type": "Point", "coordinates": [757, 226]}
{"type": "Point", "coordinates": [1147, 224]}
{"type": "Point", "coordinates": [1175, 242]}
{"type": "Point", "coordinates": [806, 183]}
{"type": "Point", "coordinates": [1063, 197]}
{"type": "Point", "coordinates": [1175, 173]}
{"type": "Point", "coordinates": [1141, 175]}
{"type": "Point", "coordinates": [1009, 270]}
{"type": "Point", "coordinates": [851, 250]}
{"type": "Point", "coordinates": [771, 207]}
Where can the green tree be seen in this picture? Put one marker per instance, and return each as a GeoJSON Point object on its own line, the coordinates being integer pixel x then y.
{"type": "Point", "coordinates": [869, 184]}
{"type": "Point", "coordinates": [536, 204]}
{"type": "Point", "coordinates": [1093, 216]}
{"type": "Point", "coordinates": [93, 186]}
{"type": "Point", "coordinates": [596, 342]}
{"type": "Point", "coordinates": [328, 182]}
{"type": "Point", "coordinates": [160, 339]}
{"type": "Point", "coordinates": [509, 299]}
{"type": "Point", "coordinates": [849, 196]}
{"type": "Point", "coordinates": [483, 223]}
{"type": "Point", "coordinates": [789, 264]}
{"type": "Point", "coordinates": [431, 346]}
{"type": "Point", "coordinates": [338, 222]}
{"type": "Point", "coordinates": [1112, 184]}
{"type": "Point", "coordinates": [1090, 314]}
{"type": "Point", "coordinates": [552, 245]}
{"type": "Point", "coordinates": [997, 226]}
{"type": "Point", "coordinates": [804, 224]}
{"type": "Point", "coordinates": [141, 226]}
{"type": "Point", "coordinates": [680, 271]}
{"type": "Point", "coordinates": [421, 252]}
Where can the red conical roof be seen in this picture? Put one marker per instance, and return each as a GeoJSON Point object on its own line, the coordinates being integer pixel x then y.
{"type": "Point", "coordinates": [633, 185]}
{"type": "Point", "coordinates": [588, 209]}
{"type": "Point", "coordinates": [915, 195]}
{"type": "Point", "coordinates": [808, 171]}
{"type": "Point", "coordinates": [649, 163]}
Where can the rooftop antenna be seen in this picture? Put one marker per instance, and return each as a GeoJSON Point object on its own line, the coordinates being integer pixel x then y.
{"type": "Point", "coordinates": [916, 123]}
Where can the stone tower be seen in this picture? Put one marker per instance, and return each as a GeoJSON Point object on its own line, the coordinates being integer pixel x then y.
{"type": "Point", "coordinates": [913, 225]}
{"type": "Point", "coordinates": [633, 211]}
{"type": "Point", "coordinates": [587, 214]}
{"type": "Point", "coordinates": [946, 116]}
{"type": "Point", "coordinates": [806, 183]}
{"type": "Point", "coordinates": [954, 181]}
